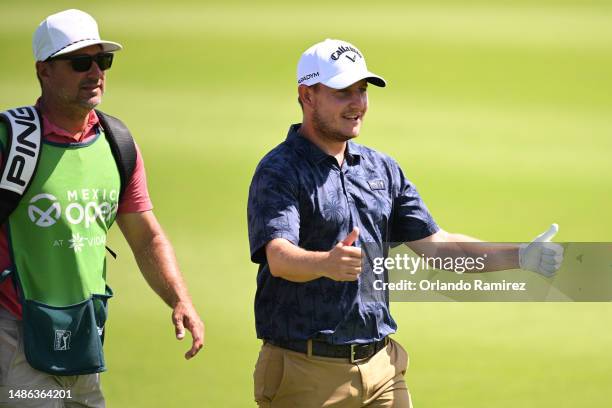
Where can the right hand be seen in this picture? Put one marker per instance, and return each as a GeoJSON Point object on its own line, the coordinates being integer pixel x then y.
{"type": "Point", "coordinates": [343, 262]}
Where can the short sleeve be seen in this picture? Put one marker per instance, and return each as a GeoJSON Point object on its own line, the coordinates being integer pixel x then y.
{"type": "Point", "coordinates": [135, 197]}
{"type": "Point", "coordinates": [411, 218]}
{"type": "Point", "coordinates": [272, 209]}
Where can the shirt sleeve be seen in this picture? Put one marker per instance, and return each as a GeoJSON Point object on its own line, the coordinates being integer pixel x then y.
{"type": "Point", "coordinates": [136, 195]}
{"type": "Point", "coordinates": [411, 218]}
{"type": "Point", "coordinates": [272, 210]}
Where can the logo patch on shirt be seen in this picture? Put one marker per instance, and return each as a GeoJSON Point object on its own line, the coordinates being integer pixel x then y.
{"type": "Point", "coordinates": [377, 184]}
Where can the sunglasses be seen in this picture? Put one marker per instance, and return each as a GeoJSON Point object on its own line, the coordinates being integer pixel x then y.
{"type": "Point", "coordinates": [82, 63]}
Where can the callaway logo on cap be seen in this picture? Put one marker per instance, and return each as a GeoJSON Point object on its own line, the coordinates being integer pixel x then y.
{"type": "Point", "coordinates": [67, 31]}
{"type": "Point", "coordinates": [334, 63]}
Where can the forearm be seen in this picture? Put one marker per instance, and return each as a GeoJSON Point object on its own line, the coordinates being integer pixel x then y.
{"type": "Point", "coordinates": [444, 244]}
{"type": "Point", "coordinates": [158, 265]}
{"type": "Point", "coordinates": [157, 262]}
{"type": "Point", "coordinates": [293, 263]}
{"type": "Point", "coordinates": [497, 256]}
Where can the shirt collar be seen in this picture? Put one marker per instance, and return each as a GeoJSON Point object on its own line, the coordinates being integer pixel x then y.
{"type": "Point", "coordinates": [313, 152]}
{"type": "Point", "coordinates": [51, 129]}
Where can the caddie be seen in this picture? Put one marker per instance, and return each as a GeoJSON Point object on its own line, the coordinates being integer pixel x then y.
{"type": "Point", "coordinates": [68, 171]}
{"type": "Point", "coordinates": [314, 202]}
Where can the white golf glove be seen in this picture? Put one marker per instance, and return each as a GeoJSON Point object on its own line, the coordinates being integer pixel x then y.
{"type": "Point", "coordinates": [541, 255]}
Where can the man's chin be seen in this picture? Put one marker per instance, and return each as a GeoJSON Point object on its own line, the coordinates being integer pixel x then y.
{"type": "Point", "coordinates": [91, 103]}
{"type": "Point", "coordinates": [352, 134]}
{"type": "Point", "coordinates": [345, 137]}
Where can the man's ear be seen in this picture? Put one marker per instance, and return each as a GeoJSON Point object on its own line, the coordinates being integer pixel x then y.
{"type": "Point", "coordinates": [306, 95]}
{"type": "Point", "coordinates": [42, 70]}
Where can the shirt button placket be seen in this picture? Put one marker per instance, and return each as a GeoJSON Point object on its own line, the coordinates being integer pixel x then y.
{"type": "Point", "coordinates": [349, 201]}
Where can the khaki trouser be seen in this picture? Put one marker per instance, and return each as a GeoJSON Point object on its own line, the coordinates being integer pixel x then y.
{"type": "Point", "coordinates": [285, 378]}
{"type": "Point", "coordinates": [16, 375]}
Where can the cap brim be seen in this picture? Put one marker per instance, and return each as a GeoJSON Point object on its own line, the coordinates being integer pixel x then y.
{"type": "Point", "coordinates": [344, 80]}
{"type": "Point", "coordinates": [107, 46]}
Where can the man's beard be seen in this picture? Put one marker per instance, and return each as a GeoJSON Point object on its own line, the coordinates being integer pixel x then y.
{"type": "Point", "coordinates": [325, 130]}
{"type": "Point", "coordinates": [89, 103]}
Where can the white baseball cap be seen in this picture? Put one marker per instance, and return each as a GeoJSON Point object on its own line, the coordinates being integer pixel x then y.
{"type": "Point", "coordinates": [336, 64]}
{"type": "Point", "coordinates": [67, 31]}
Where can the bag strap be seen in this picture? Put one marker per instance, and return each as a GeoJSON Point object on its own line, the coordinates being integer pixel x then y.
{"type": "Point", "coordinates": [19, 165]}
{"type": "Point", "coordinates": [122, 145]}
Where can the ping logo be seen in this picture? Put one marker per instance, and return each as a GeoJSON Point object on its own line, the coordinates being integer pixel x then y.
{"type": "Point", "coordinates": [62, 340]}
{"type": "Point", "coordinates": [25, 146]}
{"type": "Point", "coordinates": [44, 217]}
{"type": "Point", "coordinates": [377, 184]}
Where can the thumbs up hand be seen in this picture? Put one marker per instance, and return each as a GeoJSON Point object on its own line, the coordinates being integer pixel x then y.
{"type": "Point", "coordinates": [541, 255]}
{"type": "Point", "coordinates": [343, 262]}
{"type": "Point", "coordinates": [350, 238]}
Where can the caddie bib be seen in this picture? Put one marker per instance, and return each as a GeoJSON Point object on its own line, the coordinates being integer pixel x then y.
{"type": "Point", "coordinates": [57, 238]}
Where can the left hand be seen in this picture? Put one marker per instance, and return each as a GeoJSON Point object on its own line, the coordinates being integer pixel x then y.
{"type": "Point", "coordinates": [541, 255]}
{"type": "Point", "coordinates": [184, 317]}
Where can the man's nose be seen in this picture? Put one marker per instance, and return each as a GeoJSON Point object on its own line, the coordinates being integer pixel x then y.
{"type": "Point", "coordinates": [358, 100]}
{"type": "Point", "coordinates": [95, 70]}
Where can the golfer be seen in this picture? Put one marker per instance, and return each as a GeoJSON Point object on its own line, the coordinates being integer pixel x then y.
{"type": "Point", "coordinates": [314, 201]}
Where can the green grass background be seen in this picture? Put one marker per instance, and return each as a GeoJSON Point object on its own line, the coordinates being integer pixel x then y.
{"type": "Point", "coordinates": [498, 111]}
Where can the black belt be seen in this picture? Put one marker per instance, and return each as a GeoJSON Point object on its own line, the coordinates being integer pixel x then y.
{"type": "Point", "coordinates": [353, 352]}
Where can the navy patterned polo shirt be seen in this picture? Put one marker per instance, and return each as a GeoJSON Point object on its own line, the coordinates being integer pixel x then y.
{"type": "Point", "coordinates": [299, 193]}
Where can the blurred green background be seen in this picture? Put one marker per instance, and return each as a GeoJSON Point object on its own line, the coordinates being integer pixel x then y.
{"type": "Point", "coordinates": [498, 111]}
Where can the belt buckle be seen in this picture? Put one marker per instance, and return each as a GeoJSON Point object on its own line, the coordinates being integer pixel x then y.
{"type": "Point", "coordinates": [352, 358]}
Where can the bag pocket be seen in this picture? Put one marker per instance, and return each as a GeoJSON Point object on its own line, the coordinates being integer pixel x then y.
{"type": "Point", "coordinates": [100, 305]}
{"type": "Point", "coordinates": [66, 340]}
